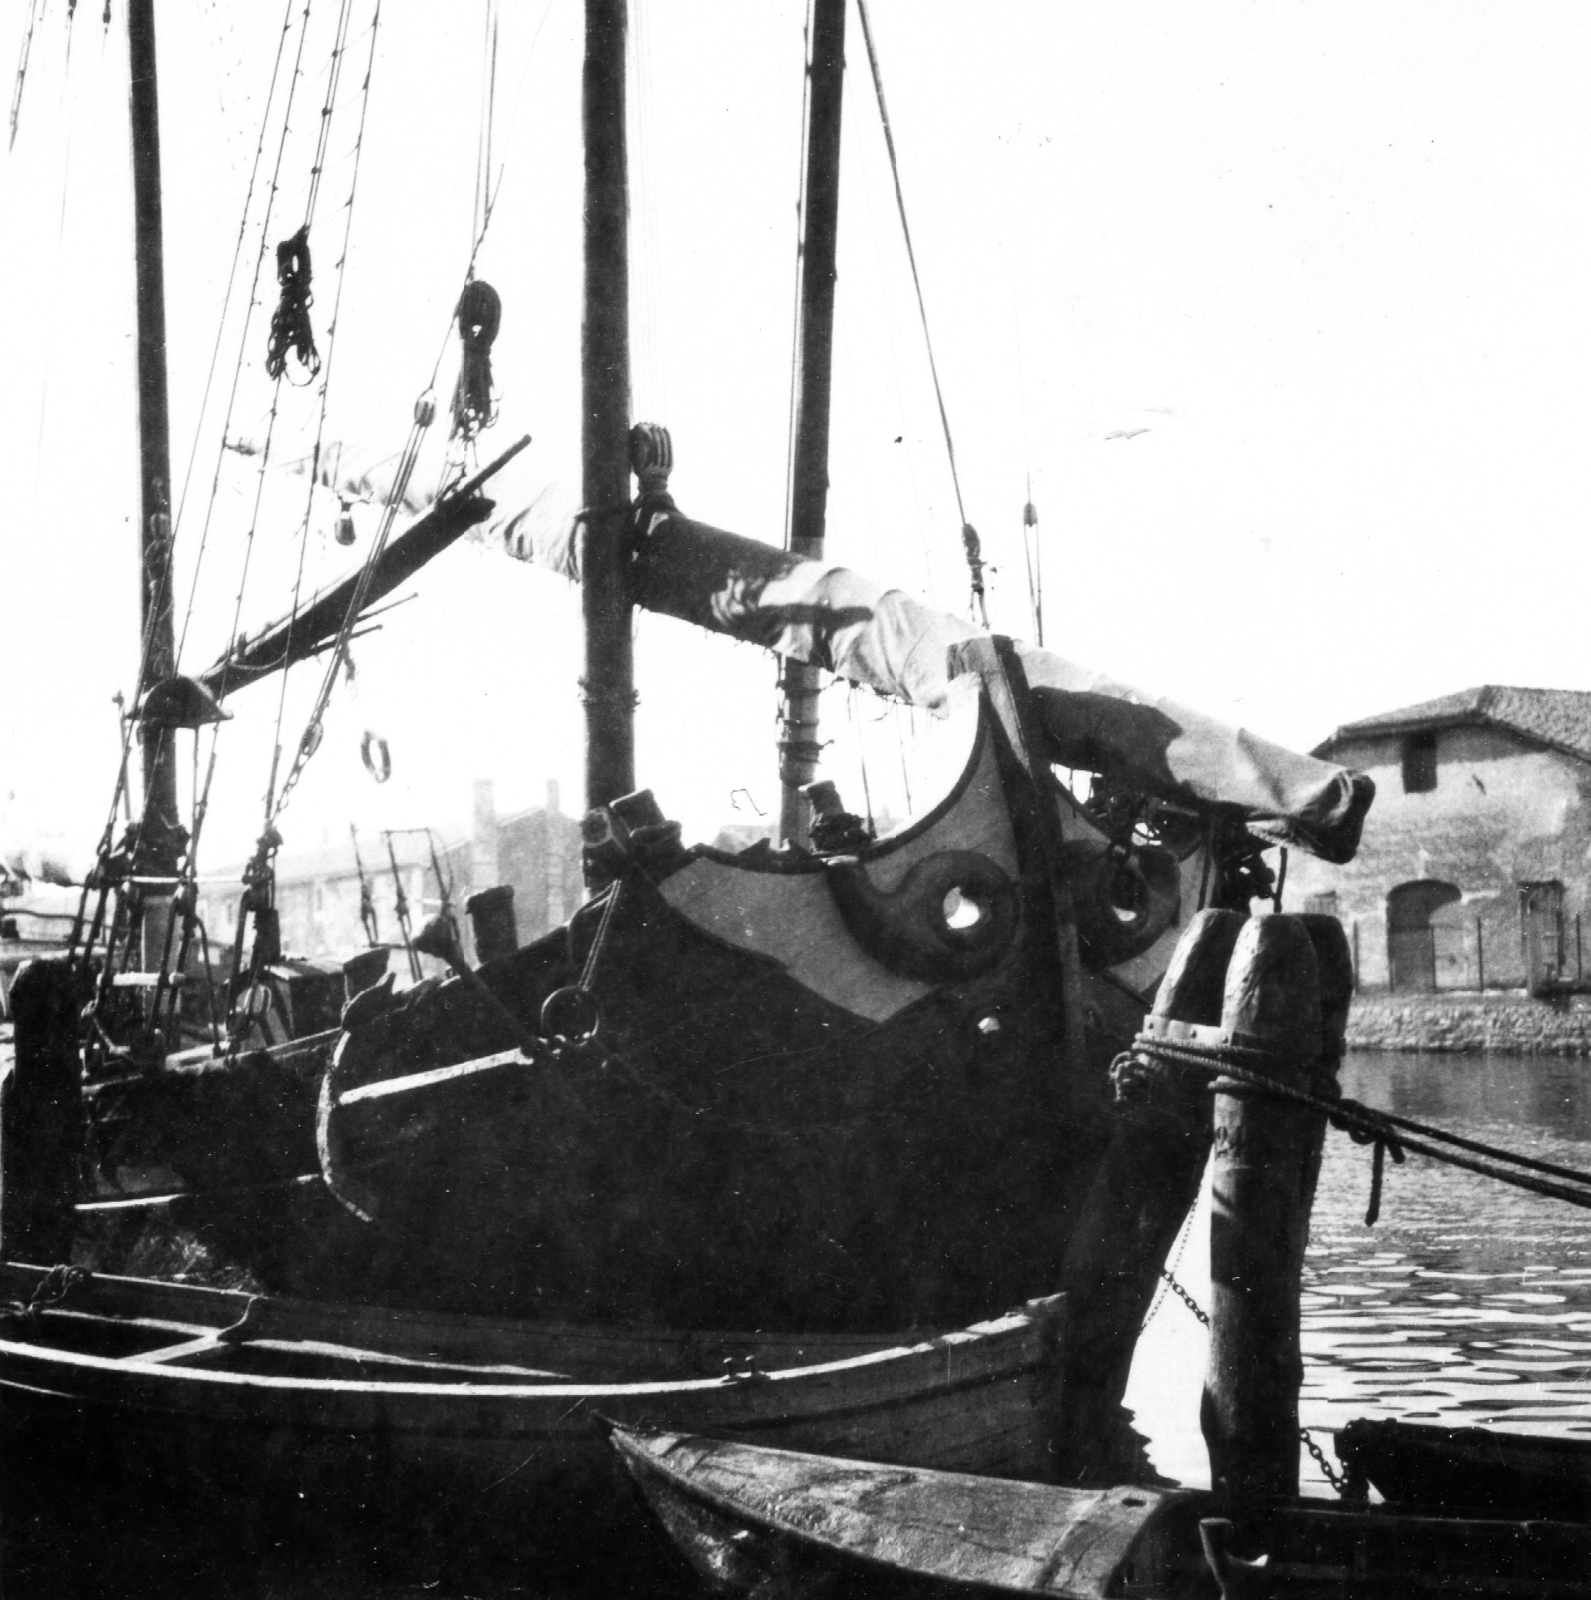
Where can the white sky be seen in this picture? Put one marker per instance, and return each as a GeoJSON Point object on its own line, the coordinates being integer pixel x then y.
{"type": "Point", "coordinates": [1282, 308]}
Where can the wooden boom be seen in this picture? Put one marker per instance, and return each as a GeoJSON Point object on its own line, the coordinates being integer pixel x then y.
{"type": "Point", "coordinates": [301, 634]}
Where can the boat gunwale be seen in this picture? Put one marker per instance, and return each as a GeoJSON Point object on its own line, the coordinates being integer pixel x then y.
{"type": "Point", "coordinates": [1007, 1346]}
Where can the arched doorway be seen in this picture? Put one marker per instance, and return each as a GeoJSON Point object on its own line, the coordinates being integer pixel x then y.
{"type": "Point", "coordinates": [1411, 945]}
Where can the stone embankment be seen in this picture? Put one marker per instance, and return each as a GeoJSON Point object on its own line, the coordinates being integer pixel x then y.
{"type": "Point", "coordinates": [1505, 1022]}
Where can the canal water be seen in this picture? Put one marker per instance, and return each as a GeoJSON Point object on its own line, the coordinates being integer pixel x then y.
{"type": "Point", "coordinates": [1467, 1304]}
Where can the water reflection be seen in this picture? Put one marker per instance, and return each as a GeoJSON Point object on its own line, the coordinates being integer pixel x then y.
{"type": "Point", "coordinates": [1468, 1303]}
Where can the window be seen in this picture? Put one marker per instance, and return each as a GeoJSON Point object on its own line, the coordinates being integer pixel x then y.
{"type": "Point", "coordinates": [1323, 904]}
{"type": "Point", "coordinates": [1419, 763]}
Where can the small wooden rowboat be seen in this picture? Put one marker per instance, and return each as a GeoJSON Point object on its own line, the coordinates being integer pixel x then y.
{"type": "Point", "coordinates": [303, 1398]}
{"type": "Point", "coordinates": [1471, 1471]}
{"type": "Point", "coordinates": [775, 1523]}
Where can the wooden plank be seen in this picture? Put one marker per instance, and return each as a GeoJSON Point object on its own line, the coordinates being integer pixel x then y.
{"type": "Point", "coordinates": [436, 1077]}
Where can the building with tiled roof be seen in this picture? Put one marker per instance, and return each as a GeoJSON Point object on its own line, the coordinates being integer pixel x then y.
{"type": "Point", "coordinates": [1475, 869]}
{"type": "Point", "coordinates": [1559, 719]}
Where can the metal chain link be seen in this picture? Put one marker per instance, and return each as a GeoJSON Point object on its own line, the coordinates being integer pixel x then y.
{"type": "Point", "coordinates": [1338, 1480]}
{"type": "Point", "coordinates": [1186, 1298]}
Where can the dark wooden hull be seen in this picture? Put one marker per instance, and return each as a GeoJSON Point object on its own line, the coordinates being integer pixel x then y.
{"type": "Point", "coordinates": [809, 1105]}
{"type": "Point", "coordinates": [752, 1520]}
{"type": "Point", "coordinates": [1471, 1471]}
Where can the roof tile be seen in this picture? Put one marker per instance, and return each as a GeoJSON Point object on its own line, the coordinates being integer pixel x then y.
{"type": "Point", "coordinates": [1557, 717]}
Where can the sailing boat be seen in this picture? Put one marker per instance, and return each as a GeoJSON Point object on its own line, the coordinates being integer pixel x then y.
{"type": "Point", "coordinates": [831, 1092]}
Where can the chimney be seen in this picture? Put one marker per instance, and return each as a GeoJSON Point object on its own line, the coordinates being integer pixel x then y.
{"type": "Point", "coordinates": [553, 795]}
{"type": "Point", "coordinates": [485, 869]}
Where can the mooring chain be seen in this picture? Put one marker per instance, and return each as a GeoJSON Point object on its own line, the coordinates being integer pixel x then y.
{"type": "Point", "coordinates": [1338, 1480]}
{"type": "Point", "coordinates": [1186, 1298]}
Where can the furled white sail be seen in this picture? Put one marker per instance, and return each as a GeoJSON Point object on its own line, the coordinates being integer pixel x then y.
{"type": "Point", "coordinates": [883, 638]}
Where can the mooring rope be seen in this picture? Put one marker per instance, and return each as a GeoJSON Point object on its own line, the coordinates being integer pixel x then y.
{"type": "Point", "coordinates": [1364, 1124]}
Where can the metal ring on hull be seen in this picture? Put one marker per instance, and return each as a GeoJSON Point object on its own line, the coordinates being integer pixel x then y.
{"type": "Point", "coordinates": [953, 915]}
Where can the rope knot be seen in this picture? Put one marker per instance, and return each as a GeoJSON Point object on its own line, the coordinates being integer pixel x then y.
{"type": "Point", "coordinates": [1365, 1125]}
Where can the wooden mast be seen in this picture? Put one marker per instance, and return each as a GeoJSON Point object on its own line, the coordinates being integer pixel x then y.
{"type": "Point", "coordinates": [609, 682]}
{"type": "Point", "coordinates": [809, 469]}
{"type": "Point", "coordinates": [154, 429]}
{"type": "Point", "coordinates": [159, 837]}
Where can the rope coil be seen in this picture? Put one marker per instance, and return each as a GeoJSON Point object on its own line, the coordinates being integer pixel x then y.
{"type": "Point", "coordinates": [290, 325]}
{"type": "Point", "coordinates": [480, 313]}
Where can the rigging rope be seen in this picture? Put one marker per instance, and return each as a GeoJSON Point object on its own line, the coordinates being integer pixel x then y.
{"type": "Point", "coordinates": [795, 303]}
{"type": "Point", "coordinates": [483, 152]}
{"type": "Point", "coordinates": [68, 104]}
{"type": "Point", "coordinates": [290, 326]}
{"type": "Point", "coordinates": [309, 741]}
{"type": "Point", "coordinates": [424, 415]}
{"type": "Point", "coordinates": [1034, 553]}
{"type": "Point", "coordinates": [311, 737]}
{"type": "Point", "coordinates": [34, 16]}
{"type": "Point", "coordinates": [201, 803]}
{"type": "Point", "coordinates": [296, 246]}
{"type": "Point", "coordinates": [215, 353]}
{"type": "Point", "coordinates": [969, 536]}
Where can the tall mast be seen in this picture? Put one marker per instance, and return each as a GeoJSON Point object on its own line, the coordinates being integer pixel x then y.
{"type": "Point", "coordinates": [154, 429]}
{"type": "Point", "coordinates": [809, 468]}
{"type": "Point", "coordinates": [609, 683]}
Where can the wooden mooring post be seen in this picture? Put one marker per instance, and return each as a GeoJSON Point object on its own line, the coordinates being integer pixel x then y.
{"type": "Point", "coordinates": [1146, 1185]}
{"type": "Point", "coordinates": [1284, 1011]}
